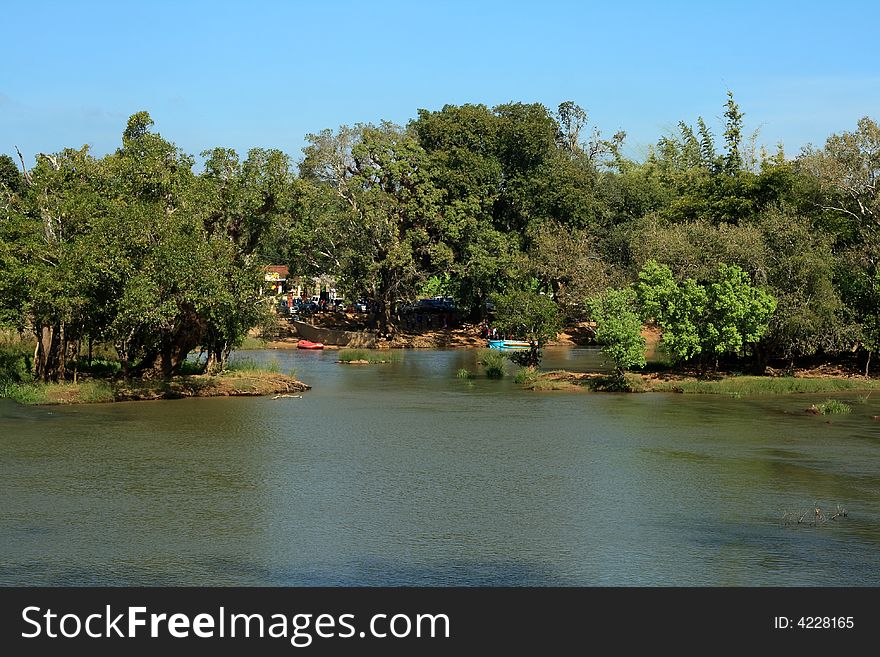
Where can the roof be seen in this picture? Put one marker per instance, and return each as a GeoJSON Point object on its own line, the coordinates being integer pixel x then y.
{"type": "Point", "coordinates": [281, 271]}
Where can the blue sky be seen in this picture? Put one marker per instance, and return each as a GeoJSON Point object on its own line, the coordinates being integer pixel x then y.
{"type": "Point", "coordinates": [243, 74]}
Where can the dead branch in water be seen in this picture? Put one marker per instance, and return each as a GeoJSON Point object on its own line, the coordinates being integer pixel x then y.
{"type": "Point", "coordinates": [812, 517]}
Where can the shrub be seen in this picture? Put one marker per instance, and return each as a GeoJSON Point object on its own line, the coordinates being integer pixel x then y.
{"type": "Point", "coordinates": [492, 362]}
{"type": "Point", "coordinates": [526, 375]}
{"type": "Point", "coordinates": [831, 407]}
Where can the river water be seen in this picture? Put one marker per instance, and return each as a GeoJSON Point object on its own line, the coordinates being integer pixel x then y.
{"type": "Point", "coordinates": [402, 474]}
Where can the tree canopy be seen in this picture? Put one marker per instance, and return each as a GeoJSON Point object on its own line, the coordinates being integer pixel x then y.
{"type": "Point", "coordinates": [734, 252]}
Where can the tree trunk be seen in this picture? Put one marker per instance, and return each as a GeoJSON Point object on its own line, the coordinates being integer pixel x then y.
{"type": "Point", "coordinates": [868, 364]}
{"type": "Point", "coordinates": [62, 352]}
{"type": "Point", "coordinates": [75, 355]}
{"type": "Point", "coordinates": [47, 360]}
{"type": "Point", "coordinates": [218, 357]}
{"type": "Point", "coordinates": [759, 364]}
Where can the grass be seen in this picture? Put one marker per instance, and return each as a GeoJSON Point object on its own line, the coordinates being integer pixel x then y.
{"type": "Point", "coordinates": [251, 365]}
{"type": "Point", "coordinates": [23, 393]}
{"type": "Point", "coordinates": [251, 344]}
{"type": "Point", "coordinates": [87, 392]}
{"type": "Point", "coordinates": [831, 407]}
{"type": "Point", "coordinates": [764, 385]}
{"type": "Point", "coordinates": [545, 385]}
{"type": "Point", "coordinates": [366, 355]}
{"type": "Point", "coordinates": [527, 376]}
{"type": "Point", "coordinates": [492, 361]}
{"type": "Point", "coordinates": [532, 378]}
{"type": "Point", "coordinates": [629, 382]}
{"type": "Point", "coordinates": [464, 374]}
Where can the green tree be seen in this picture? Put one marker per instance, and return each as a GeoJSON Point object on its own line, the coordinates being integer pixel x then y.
{"type": "Point", "coordinates": [531, 316]}
{"type": "Point", "coordinates": [677, 307]}
{"type": "Point", "coordinates": [569, 264]}
{"type": "Point", "coordinates": [244, 205]}
{"type": "Point", "coordinates": [47, 255]}
{"type": "Point", "coordinates": [733, 160]}
{"type": "Point", "coordinates": [618, 328]}
{"type": "Point", "coordinates": [801, 272]}
{"type": "Point", "coordinates": [387, 235]}
{"type": "Point", "coordinates": [726, 315]}
{"type": "Point", "coordinates": [10, 176]}
{"type": "Point", "coordinates": [847, 170]}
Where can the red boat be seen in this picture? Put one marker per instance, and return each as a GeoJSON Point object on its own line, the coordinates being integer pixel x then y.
{"type": "Point", "coordinates": [308, 344]}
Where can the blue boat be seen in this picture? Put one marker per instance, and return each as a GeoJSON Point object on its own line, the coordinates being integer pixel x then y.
{"type": "Point", "coordinates": [509, 345]}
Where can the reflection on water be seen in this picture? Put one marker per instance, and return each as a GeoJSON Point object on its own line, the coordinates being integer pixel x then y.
{"type": "Point", "coordinates": [402, 474]}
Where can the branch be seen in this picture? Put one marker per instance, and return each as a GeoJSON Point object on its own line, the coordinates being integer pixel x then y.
{"type": "Point", "coordinates": [24, 171]}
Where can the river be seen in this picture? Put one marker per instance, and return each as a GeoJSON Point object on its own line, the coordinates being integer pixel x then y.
{"type": "Point", "coordinates": [403, 474]}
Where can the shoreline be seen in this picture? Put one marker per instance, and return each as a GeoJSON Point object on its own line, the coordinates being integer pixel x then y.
{"type": "Point", "coordinates": [97, 391]}
{"type": "Point", "coordinates": [681, 383]}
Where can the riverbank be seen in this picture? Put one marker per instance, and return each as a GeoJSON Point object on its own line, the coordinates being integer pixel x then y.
{"type": "Point", "coordinates": [284, 335]}
{"type": "Point", "coordinates": [252, 383]}
{"type": "Point", "coordinates": [730, 385]}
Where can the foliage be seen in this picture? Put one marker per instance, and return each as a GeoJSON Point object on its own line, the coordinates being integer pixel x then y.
{"type": "Point", "coordinates": [15, 361]}
{"type": "Point", "coordinates": [831, 407]}
{"type": "Point", "coordinates": [725, 315]}
{"type": "Point", "coordinates": [526, 375]}
{"type": "Point", "coordinates": [530, 316]}
{"type": "Point", "coordinates": [492, 361]}
{"type": "Point", "coordinates": [139, 251]}
{"type": "Point", "coordinates": [618, 328]}
{"type": "Point", "coordinates": [620, 382]}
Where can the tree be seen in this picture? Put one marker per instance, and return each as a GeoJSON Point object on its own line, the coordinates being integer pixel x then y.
{"type": "Point", "coordinates": [848, 172]}
{"type": "Point", "coordinates": [531, 316]}
{"type": "Point", "coordinates": [244, 204]}
{"type": "Point", "coordinates": [848, 168]}
{"type": "Point", "coordinates": [725, 315]}
{"type": "Point", "coordinates": [678, 308]}
{"type": "Point", "coordinates": [568, 264]}
{"type": "Point", "coordinates": [50, 268]}
{"type": "Point", "coordinates": [10, 177]}
{"type": "Point", "coordinates": [618, 328]}
{"type": "Point", "coordinates": [387, 238]}
{"type": "Point", "coordinates": [801, 271]}
{"type": "Point", "coordinates": [733, 161]}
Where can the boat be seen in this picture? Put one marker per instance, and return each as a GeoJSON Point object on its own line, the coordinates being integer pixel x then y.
{"type": "Point", "coordinates": [509, 345]}
{"type": "Point", "coordinates": [308, 344]}
{"type": "Point", "coordinates": [359, 339]}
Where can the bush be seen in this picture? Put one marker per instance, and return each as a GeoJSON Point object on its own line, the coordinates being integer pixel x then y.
{"type": "Point", "coordinates": [618, 327]}
{"type": "Point", "coordinates": [23, 393]}
{"type": "Point", "coordinates": [16, 361]}
{"type": "Point", "coordinates": [620, 383]}
{"type": "Point", "coordinates": [831, 407]}
{"type": "Point", "coordinates": [492, 362]}
{"type": "Point", "coordinates": [526, 375]}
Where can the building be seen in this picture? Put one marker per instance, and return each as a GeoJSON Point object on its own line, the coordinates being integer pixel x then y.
{"type": "Point", "coordinates": [276, 279]}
